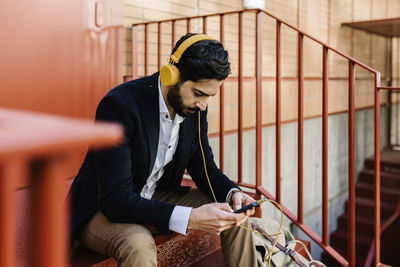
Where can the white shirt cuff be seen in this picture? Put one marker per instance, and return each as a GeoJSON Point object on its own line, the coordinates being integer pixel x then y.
{"type": "Point", "coordinates": [232, 190]}
{"type": "Point", "coordinates": [179, 219]}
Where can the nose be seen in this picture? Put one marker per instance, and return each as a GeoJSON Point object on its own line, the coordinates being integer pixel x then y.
{"type": "Point", "coordinates": [201, 105]}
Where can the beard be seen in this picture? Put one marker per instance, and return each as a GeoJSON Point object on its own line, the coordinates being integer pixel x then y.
{"type": "Point", "coordinates": [174, 98]}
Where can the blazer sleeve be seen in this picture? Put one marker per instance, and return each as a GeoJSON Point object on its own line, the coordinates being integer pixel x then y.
{"type": "Point", "coordinates": [219, 182]}
{"type": "Point", "coordinates": [118, 202]}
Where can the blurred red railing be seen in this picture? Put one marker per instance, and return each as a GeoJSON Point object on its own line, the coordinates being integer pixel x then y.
{"type": "Point", "coordinates": [326, 49]}
{"type": "Point", "coordinates": [38, 150]}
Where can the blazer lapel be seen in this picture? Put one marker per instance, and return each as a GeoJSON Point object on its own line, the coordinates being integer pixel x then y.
{"type": "Point", "coordinates": [151, 118]}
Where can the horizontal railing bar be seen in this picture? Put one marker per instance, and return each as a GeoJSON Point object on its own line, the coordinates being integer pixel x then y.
{"type": "Point", "coordinates": [388, 88]}
{"type": "Point", "coordinates": [308, 231]}
{"type": "Point", "coordinates": [355, 61]}
{"type": "Point", "coordinates": [293, 78]}
{"type": "Point", "coordinates": [252, 186]}
{"type": "Point", "coordinates": [273, 78]}
{"type": "Point", "coordinates": [322, 43]}
{"type": "Point", "coordinates": [194, 17]}
{"type": "Point", "coordinates": [251, 128]}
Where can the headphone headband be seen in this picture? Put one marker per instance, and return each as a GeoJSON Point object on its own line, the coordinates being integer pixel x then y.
{"type": "Point", "coordinates": [185, 44]}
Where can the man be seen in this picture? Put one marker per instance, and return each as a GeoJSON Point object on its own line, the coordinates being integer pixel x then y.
{"type": "Point", "coordinates": [120, 194]}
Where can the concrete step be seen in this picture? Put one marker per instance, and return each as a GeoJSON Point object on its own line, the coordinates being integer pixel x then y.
{"type": "Point", "coordinates": [365, 209]}
{"type": "Point", "coordinates": [330, 262]}
{"type": "Point", "coordinates": [388, 179]}
{"type": "Point", "coordinates": [363, 225]}
{"type": "Point", "coordinates": [390, 161]}
{"type": "Point", "coordinates": [339, 241]}
{"type": "Point", "coordinates": [388, 195]}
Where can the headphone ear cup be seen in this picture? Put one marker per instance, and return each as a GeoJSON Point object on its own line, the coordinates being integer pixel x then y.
{"type": "Point", "coordinates": [169, 75]}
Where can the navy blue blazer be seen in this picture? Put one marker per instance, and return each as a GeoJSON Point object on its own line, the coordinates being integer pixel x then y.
{"type": "Point", "coordinates": [111, 180]}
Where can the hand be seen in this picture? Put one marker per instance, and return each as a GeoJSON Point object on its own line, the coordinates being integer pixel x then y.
{"type": "Point", "coordinates": [239, 199]}
{"type": "Point", "coordinates": [214, 218]}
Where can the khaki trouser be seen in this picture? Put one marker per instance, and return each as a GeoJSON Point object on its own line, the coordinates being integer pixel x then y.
{"type": "Point", "coordinates": [133, 244]}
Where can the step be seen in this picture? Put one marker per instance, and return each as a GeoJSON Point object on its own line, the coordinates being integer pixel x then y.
{"type": "Point", "coordinates": [390, 161]}
{"type": "Point", "coordinates": [339, 241]}
{"type": "Point", "coordinates": [363, 225]}
{"type": "Point", "coordinates": [330, 262]}
{"type": "Point", "coordinates": [388, 196]}
{"type": "Point", "coordinates": [388, 180]}
{"type": "Point", "coordinates": [365, 208]}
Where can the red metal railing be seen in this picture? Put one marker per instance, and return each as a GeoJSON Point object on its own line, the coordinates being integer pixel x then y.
{"type": "Point", "coordinates": [394, 126]}
{"type": "Point", "coordinates": [352, 63]}
{"type": "Point", "coordinates": [52, 144]}
{"type": "Point", "coordinates": [388, 223]}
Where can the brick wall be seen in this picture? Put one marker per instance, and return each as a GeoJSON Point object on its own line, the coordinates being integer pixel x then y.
{"type": "Point", "coordinates": [321, 19]}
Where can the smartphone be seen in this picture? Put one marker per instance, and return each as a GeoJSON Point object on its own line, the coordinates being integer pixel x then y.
{"type": "Point", "coordinates": [243, 209]}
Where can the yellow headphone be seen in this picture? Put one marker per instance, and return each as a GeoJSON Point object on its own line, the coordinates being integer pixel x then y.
{"type": "Point", "coordinates": [169, 74]}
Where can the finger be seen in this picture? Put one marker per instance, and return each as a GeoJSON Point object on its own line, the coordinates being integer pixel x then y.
{"type": "Point", "coordinates": [227, 227]}
{"type": "Point", "coordinates": [225, 207]}
{"type": "Point", "coordinates": [241, 221]}
{"type": "Point", "coordinates": [250, 212]}
{"type": "Point", "coordinates": [230, 218]}
{"type": "Point", "coordinates": [248, 200]}
{"type": "Point", "coordinates": [237, 201]}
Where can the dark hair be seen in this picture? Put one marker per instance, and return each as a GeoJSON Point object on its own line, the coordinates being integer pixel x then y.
{"type": "Point", "coordinates": [206, 59]}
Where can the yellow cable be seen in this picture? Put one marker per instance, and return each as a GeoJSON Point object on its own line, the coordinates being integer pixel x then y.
{"type": "Point", "coordinates": [204, 161]}
{"type": "Point", "coordinates": [269, 255]}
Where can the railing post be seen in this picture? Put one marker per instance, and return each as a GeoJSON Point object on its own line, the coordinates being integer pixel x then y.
{"type": "Point", "coordinates": [187, 25]}
{"type": "Point", "coordinates": [43, 160]}
{"type": "Point", "coordinates": [258, 98]}
{"type": "Point", "coordinates": [325, 231]}
{"type": "Point", "coordinates": [205, 24]}
{"type": "Point", "coordinates": [351, 202]}
{"type": "Point", "coordinates": [9, 173]}
{"type": "Point", "coordinates": [134, 44]}
{"type": "Point", "coordinates": [300, 129]}
{"type": "Point", "coordinates": [49, 240]}
{"type": "Point", "coordinates": [146, 49]}
{"type": "Point", "coordinates": [377, 160]}
{"type": "Point", "coordinates": [278, 113]}
{"type": "Point", "coordinates": [159, 45]}
{"type": "Point", "coordinates": [173, 34]}
{"type": "Point", "coordinates": [221, 103]}
{"type": "Point", "coordinates": [240, 96]}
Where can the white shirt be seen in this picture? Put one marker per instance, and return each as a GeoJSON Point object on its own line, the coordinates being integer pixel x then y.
{"type": "Point", "coordinates": [167, 142]}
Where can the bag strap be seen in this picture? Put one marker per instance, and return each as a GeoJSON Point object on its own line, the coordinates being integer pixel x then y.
{"type": "Point", "coordinates": [285, 250]}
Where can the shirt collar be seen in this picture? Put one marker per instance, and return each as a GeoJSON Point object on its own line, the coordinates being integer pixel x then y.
{"type": "Point", "coordinates": [163, 105]}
